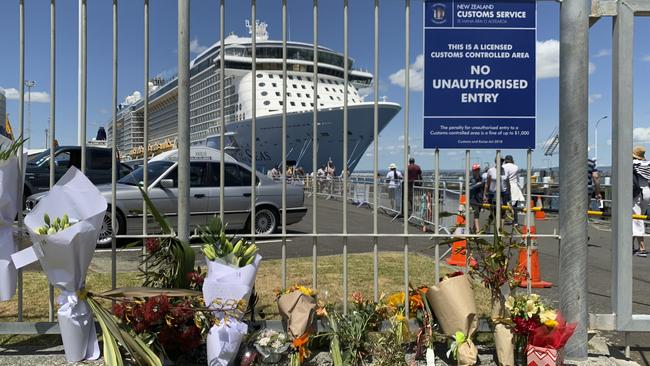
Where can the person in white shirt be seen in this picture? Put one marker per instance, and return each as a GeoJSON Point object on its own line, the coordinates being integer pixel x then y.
{"type": "Point", "coordinates": [511, 171]}
{"type": "Point", "coordinates": [490, 190]}
{"type": "Point", "coordinates": [394, 179]}
{"type": "Point", "coordinates": [641, 171]}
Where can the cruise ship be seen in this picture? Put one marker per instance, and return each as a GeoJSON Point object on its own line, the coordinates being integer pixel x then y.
{"type": "Point", "coordinates": [206, 99]}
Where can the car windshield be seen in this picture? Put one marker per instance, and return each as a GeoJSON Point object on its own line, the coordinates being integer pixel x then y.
{"type": "Point", "coordinates": [155, 168]}
{"type": "Point", "coordinates": [39, 158]}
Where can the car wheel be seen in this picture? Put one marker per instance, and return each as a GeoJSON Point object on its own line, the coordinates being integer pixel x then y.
{"type": "Point", "coordinates": [265, 221]}
{"type": "Point", "coordinates": [106, 232]}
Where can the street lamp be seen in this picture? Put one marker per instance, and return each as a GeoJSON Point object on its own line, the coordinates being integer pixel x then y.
{"type": "Point", "coordinates": [596, 138]}
{"type": "Point", "coordinates": [29, 84]}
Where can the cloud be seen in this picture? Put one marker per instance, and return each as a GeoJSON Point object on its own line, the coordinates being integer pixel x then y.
{"type": "Point", "coordinates": [646, 58]}
{"type": "Point", "coordinates": [641, 134]}
{"type": "Point", "coordinates": [594, 97]}
{"type": "Point", "coordinates": [548, 59]}
{"type": "Point", "coordinates": [36, 96]}
{"type": "Point", "coordinates": [592, 67]}
{"type": "Point", "coordinates": [195, 47]}
{"type": "Point", "coordinates": [133, 98]}
{"type": "Point", "coordinates": [604, 52]}
{"type": "Point", "coordinates": [416, 75]}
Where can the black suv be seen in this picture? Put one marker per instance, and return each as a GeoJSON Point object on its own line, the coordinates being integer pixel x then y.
{"type": "Point", "coordinates": [98, 167]}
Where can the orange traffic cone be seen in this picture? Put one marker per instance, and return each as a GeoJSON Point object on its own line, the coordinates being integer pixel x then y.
{"type": "Point", "coordinates": [540, 215]}
{"type": "Point", "coordinates": [462, 199]}
{"type": "Point", "coordinates": [533, 230]}
{"type": "Point", "coordinates": [522, 265]}
{"type": "Point", "coordinates": [459, 255]}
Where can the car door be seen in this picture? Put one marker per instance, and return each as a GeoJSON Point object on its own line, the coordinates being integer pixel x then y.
{"type": "Point", "coordinates": [99, 165]}
{"type": "Point", "coordinates": [166, 199]}
{"type": "Point", "coordinates": [237, 194]}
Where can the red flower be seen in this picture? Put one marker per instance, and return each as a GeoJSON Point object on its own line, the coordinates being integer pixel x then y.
{"type": "Point", "coordinates": [152, 244]}
{"type": "Point", "coordinates": [195, 278]}
{"type": "Point", "coordinates": [119, 310]}
{"type": "Point", "coordinates": [182, 313]}
{"type": "Point", "coordinates": [156, 308]}
{"type": "Point", "coordinates": [190, 338]}
{"type": "Point", "coordinates": [168, 337]}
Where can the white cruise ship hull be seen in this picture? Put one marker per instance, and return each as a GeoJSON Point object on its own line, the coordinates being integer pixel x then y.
{"type": "Point", "coordinates": [299, 136]}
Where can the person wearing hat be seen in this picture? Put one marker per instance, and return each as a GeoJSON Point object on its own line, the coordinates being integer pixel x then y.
{"type": "Point", "coordinates": [511, 171]}
{"type": "Point", "coordinates": [394, 179]}
{"type": "Point", "coordinates": [641, 170]}
{"type": "Point", "coordinates": [476, 194]}
{"type": "Point", "coordinates": [415, 175]}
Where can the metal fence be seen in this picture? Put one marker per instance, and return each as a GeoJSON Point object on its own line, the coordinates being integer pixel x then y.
{"type": "Point", "coordinates": [373, 193]}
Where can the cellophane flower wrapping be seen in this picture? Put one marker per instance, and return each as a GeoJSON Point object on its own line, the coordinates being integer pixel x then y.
{"type": "Point", "coordinates": [66, 255]}
{"type": "Point", "coordinates": [10, 183]}
{"type": "Point", "coordinates": [542, 356]}
{"type": "Point", "coordinates": [225, 282]}
{"type": "Point", "coordinates": [555, 337]}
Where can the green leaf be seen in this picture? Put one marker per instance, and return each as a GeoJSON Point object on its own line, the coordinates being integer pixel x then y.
{"type": "Point", "coordinates": [132, 292]}
{"type": "Point", "coordinates": [164, 225]}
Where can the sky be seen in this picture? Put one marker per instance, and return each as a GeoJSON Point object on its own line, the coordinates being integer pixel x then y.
{"type": "Point", "coordinates": [204, 29]}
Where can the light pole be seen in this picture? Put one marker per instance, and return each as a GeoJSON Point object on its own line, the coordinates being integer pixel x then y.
{"type": "Point", "coordinates": [596, 138]}
{"type": "Point", "coordinates": [29, 84]}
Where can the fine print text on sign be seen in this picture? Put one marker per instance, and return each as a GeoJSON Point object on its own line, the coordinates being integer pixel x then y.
{"type": "Point", "coordinates": [479, 74]}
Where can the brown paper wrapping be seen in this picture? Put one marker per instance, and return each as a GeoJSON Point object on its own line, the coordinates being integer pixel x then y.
{"type": "Point", "coordinates": [453, 303]}
{"type": "Point", "coordinates": [298, 311]}
{"type": "Point", "coordinates": [504, 343]}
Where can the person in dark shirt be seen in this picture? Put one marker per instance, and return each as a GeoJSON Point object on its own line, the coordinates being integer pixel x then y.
{"type": "Point", "coordinates": [476, 194]}
{"type": "Point", "coordinates": [593, 182]}
{"type": "Point", "coordinates": [414, 175]}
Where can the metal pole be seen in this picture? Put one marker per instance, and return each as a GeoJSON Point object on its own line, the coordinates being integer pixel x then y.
{"type": "Point", "coordinates": [84, 83]}
{"type": "Point", "coordinates": [622, 128]}
{"type": "Point", "coordinates": [145, 128]}
{"type": "Point", "coordinates": [184, 120]}
{"type": "Point", "coordinates": [405, 200]}
{"type": "Point", "coordinates": [284, 143]}
{"type": "Point", "coordinates": [436, 215]}
{"type": "Point", "coordinates": [79, 68]}
{"type": "Point", "coordinates": [114, 154]}
{"type": "Point", "coordinates": [222, 83]}
{"type": "Point", "coordinates": [30, 84]}
{"type": "Point", "coordinates": [529, 206]}
{"type": "Point", "coordinates": [21, 109]}
{"type": "Point", "coordinates": [497, 200]}
{"type": "Point", "coordinates": [375, 178]}
{"type": "Point", "coordinates": [344, 173]}
{"type": "Point", "coordinates": [314, 151]}
{"type": "Point", "coordinates": [467, 218]}
{"type": "Point", "coordinates": [52, 120]}
{"type": "Point", "coordinates": [574, 74]}
{"type": "Point", "coordinates": [254, 115]}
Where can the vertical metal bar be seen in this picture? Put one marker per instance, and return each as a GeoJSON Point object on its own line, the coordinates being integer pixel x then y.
{"type": "Point", "coordinates": [114, 153]}
{"type": "Point", "coordinates": [84, 82]}
{"type": "Point", "coordinates": [529, 206]}
{"type": "Point", "coordinates": [314, 151]}
{"type": "Point", "coordinates": [574, 112]}
{"type": "Point", "coordinates": [497, 199]}
{"type": "Point", "coordinates": [344, 173]}
{"type": "Point", "coordinates": [145, 127]}
{"type": "Point", "coordinates": [407, 94]}
{"type": "Point", "coordinates": [222, 113]}
{"type": "Point", "coordinates": [254, 114]}
{"type": "Point", "coordinates": [21, 118]}
{"type": "Point", "coordinates": [184, 120]}
{"type": "Point", "coordinates": [622, 124]}
{"type": "Point", "coordinates": [436, 215]}
{"type": "Point", "coordinates": [375, 175]}
{"type": "Point", "coordinates": [284, 143]}
{"type": "Point", "coordinates": [467, 218]}
{"type": "Point", "coordinates": [52, 123]}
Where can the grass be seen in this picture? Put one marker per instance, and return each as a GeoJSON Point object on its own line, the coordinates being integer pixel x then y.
{"type": "Point", "coordinates": [299, 271]}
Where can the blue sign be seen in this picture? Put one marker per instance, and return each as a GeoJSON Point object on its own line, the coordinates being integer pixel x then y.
{"type": "Point", "coordinates": [479, 74]}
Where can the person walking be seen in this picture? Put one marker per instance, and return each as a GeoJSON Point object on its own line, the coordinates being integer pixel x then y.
{"type": "Point", "coordinates": [330, 173]}
{"type": "Point", "coordinates": [476, 184]}
{"type": "Point", "coordinates": [641, 170]}
{"type": "Point", "coordinates": [490, 189]}
{"type": "Point", "coordinates": [511, 171]}
{"type": "Point", "coordinates": [394, 179]}
{"type": "Point", "coordinates": [414, 177]}
{"type": "Point", "coordinates": [593, 182]}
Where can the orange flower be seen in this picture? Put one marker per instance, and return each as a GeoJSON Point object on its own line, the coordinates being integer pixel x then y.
{"type": "Point", "coordinates": [416, 302]}
{"type": "Point", "coordinates": [300, 344]}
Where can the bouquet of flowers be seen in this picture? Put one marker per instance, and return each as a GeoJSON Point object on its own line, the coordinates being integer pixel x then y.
{"type": "Point", "coordinates": [271, 345]}
{"type": "Point", "coordinates": [231, 275]}
{"type": "Point", "coordinates": [65, 247]}
{"type": "Point", "coordinates": [452, 301]}
{"type": "Point", "coordinates": [10, 182]}
{"type": "Point", "coordinates": [298, 308]}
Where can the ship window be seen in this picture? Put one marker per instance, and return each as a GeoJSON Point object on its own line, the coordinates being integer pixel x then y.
{"type": "Point", "coordinates": [264, 93]}
{"type": "Point", "coordinates": [277, 94]}
{"type": "Point", "coordinates": [274, 85]}
{"type": "Point", "coordinates": [303, 104]}
{"type": "Point", "coordinates": [303, 86]}
{"type": "Point", "coordinates": [259, 75]}
{"type": "Point", "coordinates": [295, 86]}
{"type": "Point", "coordinates": [290, 77]}
{"type": "Point", "coordinates": [326, 88]}
{"type": "Point", "coordinates": [293, 104]}
{"type": "Point", "coordinates": [299, 95]}
{"type": "Point", "coordinates": [331, 97]}
{"type": "Point", "coordinates": [311, 104]}
{"type": "Point", "coordinates": [281, 103]}
{"type": "Point", "coordinates": [266, 102]}
{"type": "Point", "coordinates": [298, 77]}
{"type": "Point", "coordinates": [270, 76]}
{"type": "Point", "coordinates": [339, 98]}
{"type": "Point", "coordinates": [312, 87]}
{"type": "Point", "coordinates": [308, 78]}
{"type": "Point", "coordinates": [288, 94]}
{"type": "Point", "coordinates": [308, 96]}
{"type": "Point", "coordinates": [261, 84]}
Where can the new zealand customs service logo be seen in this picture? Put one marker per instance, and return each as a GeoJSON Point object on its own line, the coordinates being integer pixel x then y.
{"type": "Point", "coordinates": [439, 13]}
